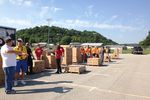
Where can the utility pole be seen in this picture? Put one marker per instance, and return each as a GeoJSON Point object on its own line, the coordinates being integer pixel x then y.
{"type": "Point", "coordinates": [48, 21]}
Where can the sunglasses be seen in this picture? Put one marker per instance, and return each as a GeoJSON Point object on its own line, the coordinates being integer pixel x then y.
{"type": "Point", "coordinates": [19, 41]}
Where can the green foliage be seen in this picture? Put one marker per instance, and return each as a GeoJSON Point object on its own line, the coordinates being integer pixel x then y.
{"type": "Point", "coordinates": [61, 35]}
{"type": "Point", "coordinates": [65, 40]}
{"type": "Point", "coordinates": [146, 42]}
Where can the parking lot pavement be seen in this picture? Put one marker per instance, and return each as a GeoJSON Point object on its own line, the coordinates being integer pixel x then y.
{"type": "Point", "coordinates": [124, 79]}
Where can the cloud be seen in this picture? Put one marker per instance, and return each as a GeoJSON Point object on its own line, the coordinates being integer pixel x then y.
{"type": "Point", "coordinates": [21, 2]}
{"type": "Point", "coordinates": [46, 9]}
{"type": "Point", "coordinates": [89, 11]}
{"type": "Point", "coordinates": [15, 22]}
{"type": "Point", "coordinates": [112, 18]}
{"type": "Point", "coordinates": [87, 24]}
{"type": "Point", "coordinates": [55, 9]}
{"type": "Point", "coordinates": [28, 3]}
{"type": "Point", "coordinates": [1, 1]}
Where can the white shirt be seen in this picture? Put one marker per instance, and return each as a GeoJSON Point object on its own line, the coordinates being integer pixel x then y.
{"type": "Point", "coordinates": [9, 59]}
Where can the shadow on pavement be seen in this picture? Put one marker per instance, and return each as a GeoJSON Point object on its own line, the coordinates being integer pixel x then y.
{"type": "Point", "coordinates": [41, 74]}
{"type": "Point", "coordinates": [104, 65]}
{"type": "Point", "coordinates": [43, 90]}
{"type": "Point", "coordinates": [33, 82]}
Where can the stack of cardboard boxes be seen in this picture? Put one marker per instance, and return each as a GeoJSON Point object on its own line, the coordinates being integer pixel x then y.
{"type": "Point", "coordinates": [45, 58]}
{"type": "Point", "coordinates": [107, 58]}
{"type": "Point", "coordinates": [76, 55]}
{"type": "Point", "coordinates": [51, 61]}
{"type": "Point", "coordinates": [115, 54]}
{"type": "Point", "coordinates": [67, 59]}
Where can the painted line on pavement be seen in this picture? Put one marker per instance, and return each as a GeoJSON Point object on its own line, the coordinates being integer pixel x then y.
{"type": "Point", "coordinates": [90, 88]}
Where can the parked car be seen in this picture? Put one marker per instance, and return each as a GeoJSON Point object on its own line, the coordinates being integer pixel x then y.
{"type": "Point", "coordinates": [137, 50]}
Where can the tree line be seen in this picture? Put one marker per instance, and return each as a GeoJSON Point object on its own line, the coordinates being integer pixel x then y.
{"type": "Point", "coordinates": [61, 35]}
{"type": "Point", "coordinates": [146, 42]}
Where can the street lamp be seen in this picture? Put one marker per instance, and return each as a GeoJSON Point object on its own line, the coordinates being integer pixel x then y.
{"type": "Point", "coordinates": [48, 20]}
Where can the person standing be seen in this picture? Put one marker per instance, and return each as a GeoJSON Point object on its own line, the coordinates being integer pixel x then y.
{"type": "Point", "coordinates": [38, 52]}
{"type": "Point", "coordinates": [63, 51]}
{"type": "Point", "coordinates": [9, 63]}
{"type": "Point", "coordinates": [29, 59]}
{"type": "Point", "coordinates": [22, 65]}
{"type": "Point", "coordinates": [58, 55]}
{"type": "Point", "coordinates": [83, 55]}
{"type": "Point", "coordinates": [88, 52]}
{"type": "Point", "coordinates": [102, 51]}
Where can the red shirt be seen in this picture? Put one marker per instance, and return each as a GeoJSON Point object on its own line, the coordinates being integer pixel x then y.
{"type": "Point", "coordinates": [38, 52]}
{"type": "Point", "coordinates": [58, 54]}
{"type": "Point", "coordinates": [62, 50]}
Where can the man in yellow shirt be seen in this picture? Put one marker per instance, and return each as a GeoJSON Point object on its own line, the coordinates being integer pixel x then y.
{"type": "Point", "coordinates": [21, 66]}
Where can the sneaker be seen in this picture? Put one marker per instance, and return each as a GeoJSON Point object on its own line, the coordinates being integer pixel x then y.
{"type": "Point", "coordinates": [23, 82]}
{"type": "Point", "coordinates": [57, 72]}
{"type": "Point", "coordinates": [15, 83]}
{"type": "Point", "coordinates": [11, 92]}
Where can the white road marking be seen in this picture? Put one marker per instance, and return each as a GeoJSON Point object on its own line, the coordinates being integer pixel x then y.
{"type": "Point", "coordinates": [91, 88]}
{"type": "Point", "coordinates": [106, 75]}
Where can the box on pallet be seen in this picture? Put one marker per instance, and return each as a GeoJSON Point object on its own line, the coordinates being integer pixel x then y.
{"type": "Point", "coordinates": [38, 66]}
{"type": "Point", "coordinates": [94, 61]}
{"type": "Point", "coordinates": [75, 68]}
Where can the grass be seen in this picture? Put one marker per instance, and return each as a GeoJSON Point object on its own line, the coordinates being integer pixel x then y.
{"type": "Point", "coordinates": [128, 51]}
{"type": "Point", "coordinates": [147, 51]}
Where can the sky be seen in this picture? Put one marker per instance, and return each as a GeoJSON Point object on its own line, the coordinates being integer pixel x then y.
{"type": "Point", "coordinates": [123, 21]}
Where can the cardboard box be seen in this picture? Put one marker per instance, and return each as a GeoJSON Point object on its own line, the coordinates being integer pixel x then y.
{"type": "Point", "coordinates": [115, 54]}
{"type": "Point", "coordinates": [67, 59]}
{"type": "Point", "coordinates": [76, 68]}
{"type": "Point", "coordinates": [38, 66]}
{"type": "Point", "coordinates": [51, 61]}
{"type": "Point", "coordinates": [94, 61]}
{"type": "Point", "coordinates": [76, 55]}
{"type": "Point", "coordinates": [107, 58]}
{"type": "Point", "coordinates": [45, 58]}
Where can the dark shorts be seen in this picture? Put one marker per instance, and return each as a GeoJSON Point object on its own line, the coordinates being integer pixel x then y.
{"type": "Point", "coordinates": [22, 65]}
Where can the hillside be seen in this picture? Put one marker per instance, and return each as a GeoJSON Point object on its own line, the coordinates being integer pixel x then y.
{"type": "Point", "coordinates": [61, 35]}
{"type": "Point", "coordinates": [146, 41]}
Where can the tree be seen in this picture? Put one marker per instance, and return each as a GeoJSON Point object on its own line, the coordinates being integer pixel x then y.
{"type": "Point", "coordinates": [146, 42]}
{"type": "Point", "coordinates": [65, 40]}
{"type": "Point", "coordinates": [62, 35]}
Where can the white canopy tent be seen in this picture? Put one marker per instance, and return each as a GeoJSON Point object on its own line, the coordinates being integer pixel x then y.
{"type": "Point", "coordinates": [92, 44]}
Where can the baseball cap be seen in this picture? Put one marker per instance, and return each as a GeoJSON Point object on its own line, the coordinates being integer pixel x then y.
{"type": "Point", "coordinates": [19, 40]}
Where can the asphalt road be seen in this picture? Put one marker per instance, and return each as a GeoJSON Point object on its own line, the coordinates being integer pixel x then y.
{"type": "Point", "coordinates": [127, 78]}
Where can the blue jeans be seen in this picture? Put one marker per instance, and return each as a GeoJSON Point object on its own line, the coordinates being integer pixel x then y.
{"type": "Point", "coordinates": [9, 74]}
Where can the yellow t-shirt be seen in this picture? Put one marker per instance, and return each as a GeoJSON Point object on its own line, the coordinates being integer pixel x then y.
{"type": "Point", "coordinates": [23, 50]}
